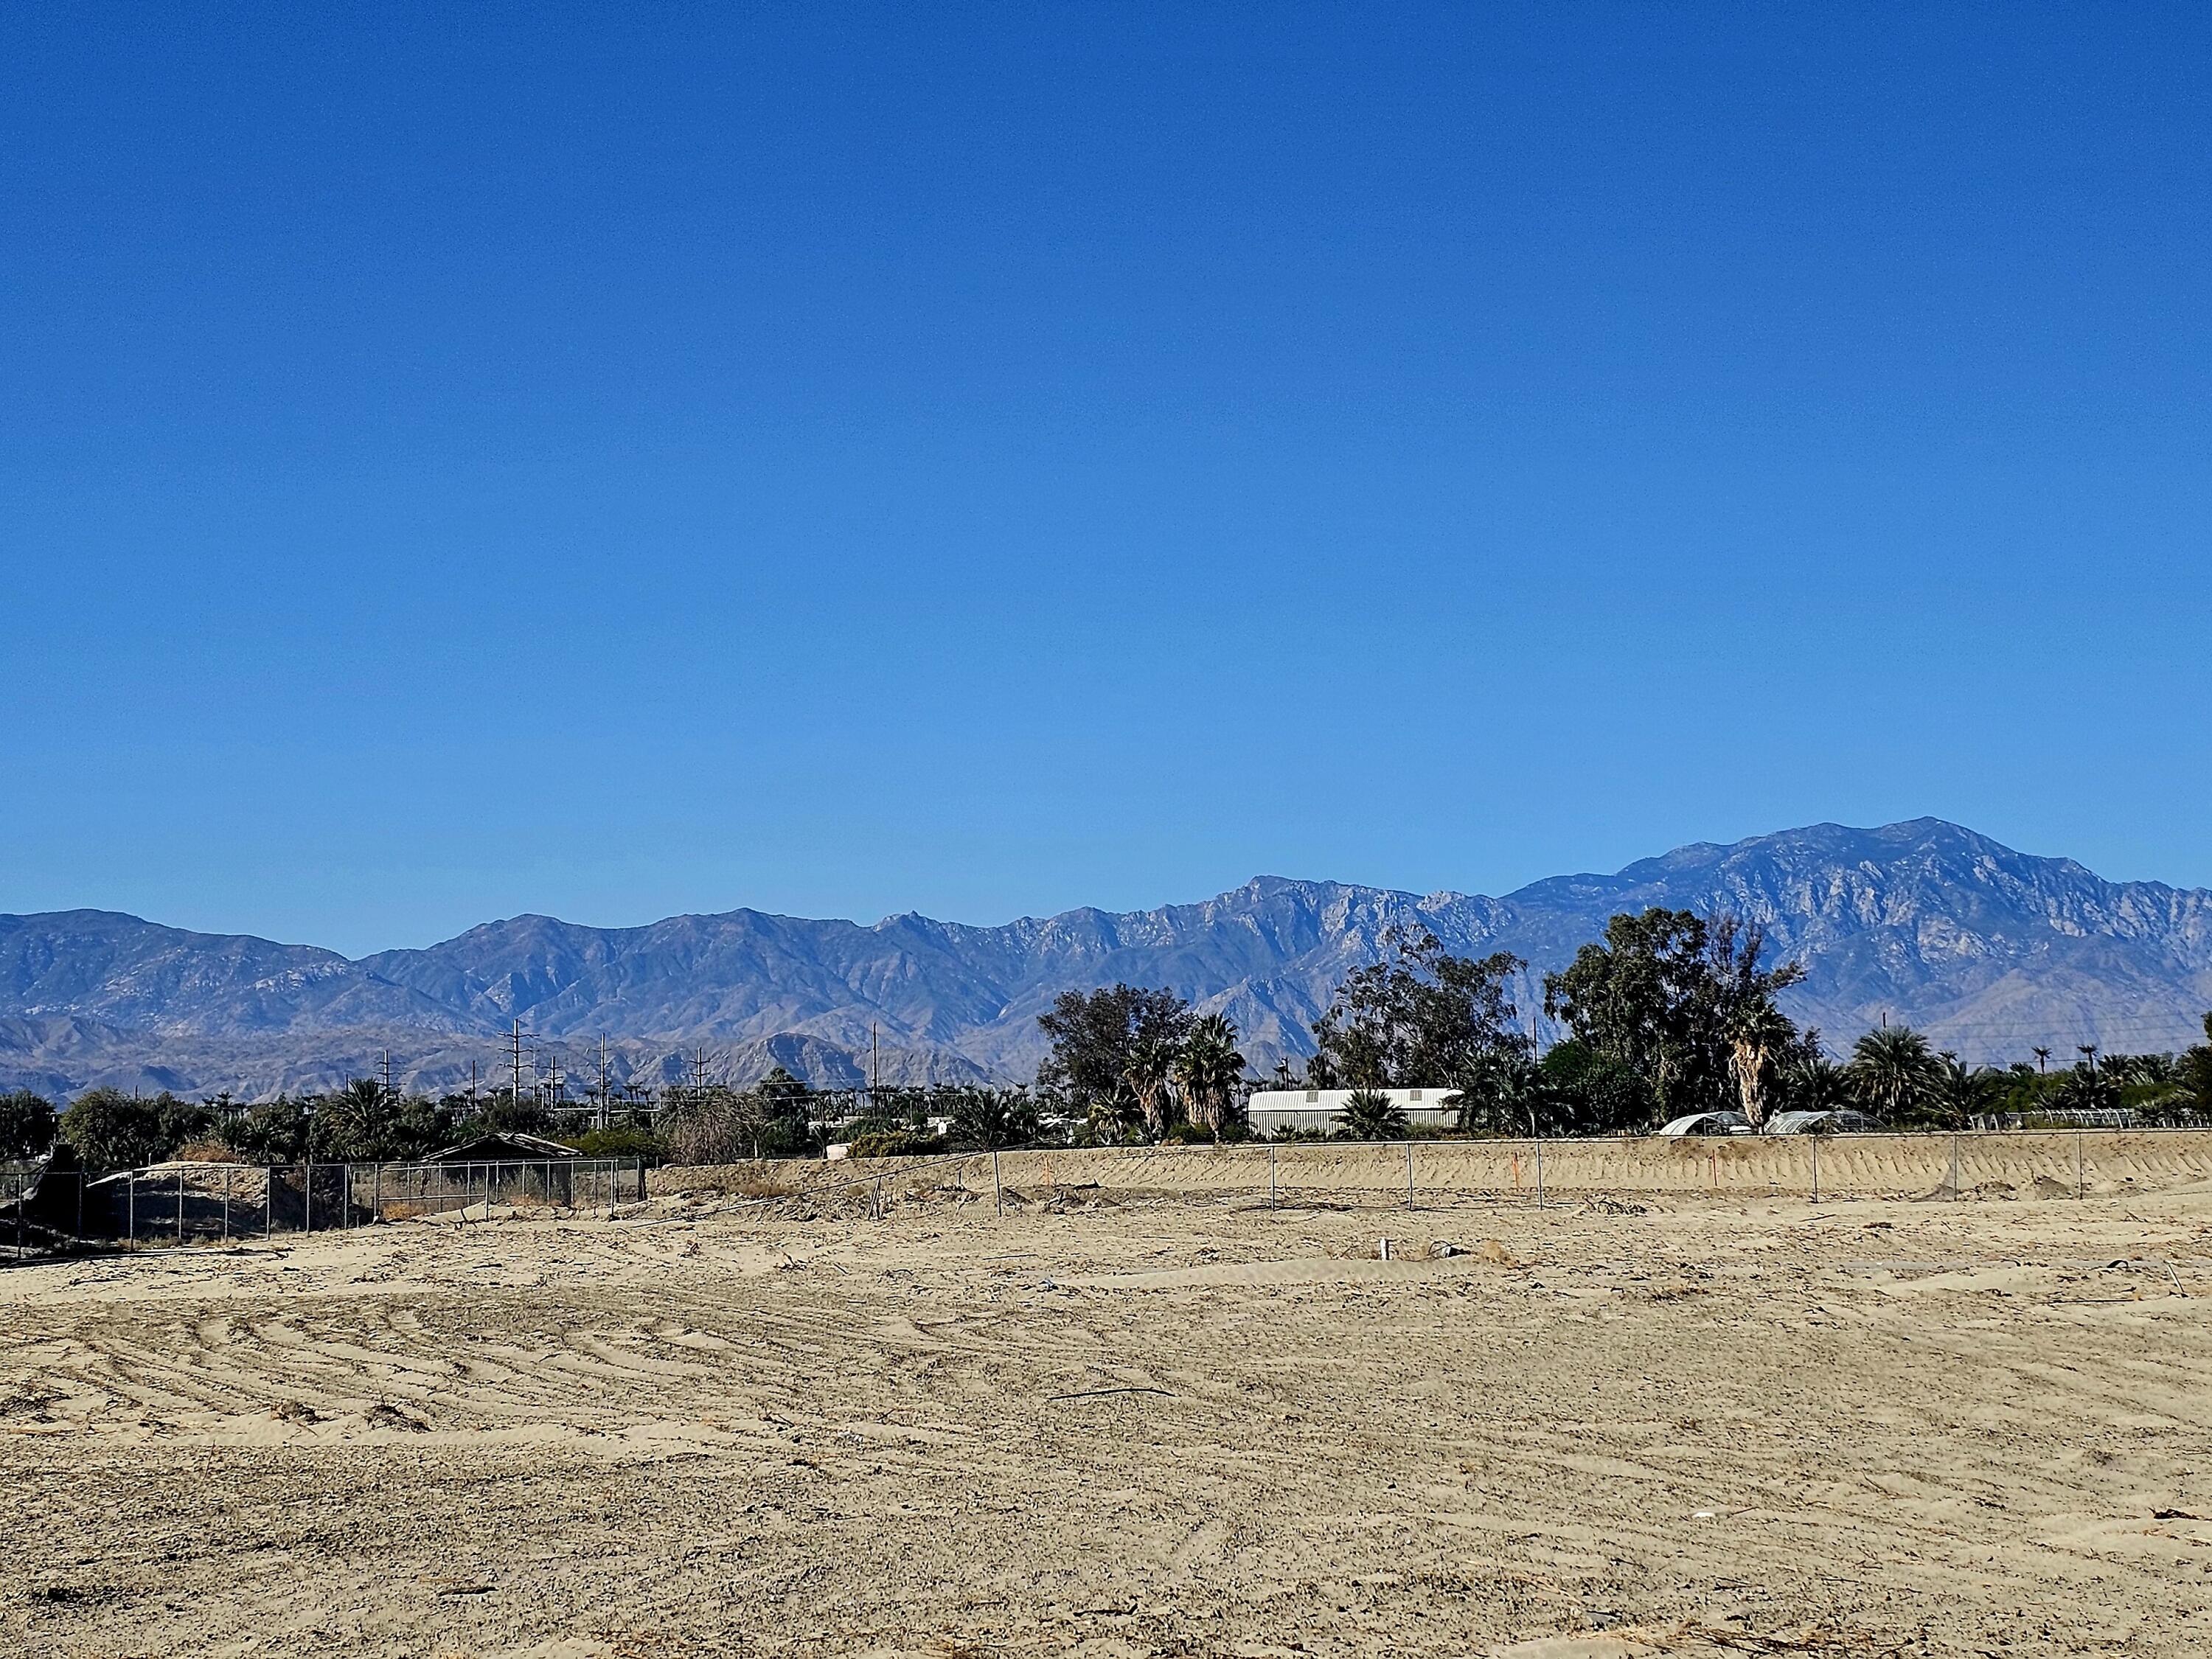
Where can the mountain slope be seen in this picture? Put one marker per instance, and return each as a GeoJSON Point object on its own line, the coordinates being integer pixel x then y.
{"type": "Point", "coordinates": [1989, 950]}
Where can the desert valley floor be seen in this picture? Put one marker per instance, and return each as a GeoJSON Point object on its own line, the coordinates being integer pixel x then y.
{"type": "Point", "coordinates": [1115, 1424]}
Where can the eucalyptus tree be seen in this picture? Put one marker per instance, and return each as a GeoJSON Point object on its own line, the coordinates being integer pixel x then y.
{"type": "Point", "coordinates": [1420, 1018]}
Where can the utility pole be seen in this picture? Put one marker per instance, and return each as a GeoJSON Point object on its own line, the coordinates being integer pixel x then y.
{"type": "Point", "coordinates": [387, 1076]}
{"type": "Point", "coordinates": [472, 1088]}
{"type": "Point", "coordinates": [514, 1060]}
{"type": "Point", "coordinates": [872, 1068]}
{"type": "Point", "coordinates": [602, 1080]}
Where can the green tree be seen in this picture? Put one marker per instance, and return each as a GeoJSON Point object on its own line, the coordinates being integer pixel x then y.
{"type": "Point", "coordinates": [2193, 1074]}
{"type": "Point", "coordinates": [274, 1132]}
{"type": "Point", "coordinates": [1115, 1117]}
{"type": "Point", "coordinates": [1591, 1093]}
{"type": "Point", "coordinates": [1151, 1066]}
{"type": "Point", "coordinates": [1421, 1017]}
{"type": "Point", "coordinates": [1370, 1115]}
{"type": "Point", "coordinates": [1895, 1075]}
{"type": "Point", "coordinates": [1962, 1091]}
{"type": "Point", "coordinates": [1515, 1097]}
{"type": "Point", "coordinates": [363, 1124]}
{"type": "Point", "coordinates": [1808, 1081]}
{"type": "Point", "coordinates": [786, 1114]}
{"type": "Point", "coordinates": [1208, 1071]}
{"type": "Point", "coordinates": [27, 1124]}
{"type": "Point", "coordinates": [110, 1130]}
{"type": "Point", "coordinates": [987, 1119]}
{"type": "Point", "coordinates": [1113, 1046]}
{"type": "Point", "coordinates": [1643, 996]}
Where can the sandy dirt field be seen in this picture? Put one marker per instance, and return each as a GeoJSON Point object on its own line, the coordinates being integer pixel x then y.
{"type": "Point", "coordinates": [1120, 1423]}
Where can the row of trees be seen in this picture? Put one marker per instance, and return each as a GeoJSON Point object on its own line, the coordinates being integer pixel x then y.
{"type": "Point", "coordinates": [361, 1122]}
{"type": "Point", "coordinates": [1667, 1014]}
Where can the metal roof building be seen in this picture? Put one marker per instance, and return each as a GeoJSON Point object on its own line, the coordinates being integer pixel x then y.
{"type": "Point", "coordinates": [1273, 1111]}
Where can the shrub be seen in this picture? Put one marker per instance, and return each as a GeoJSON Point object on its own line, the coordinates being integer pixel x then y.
{"type": "Point", "coordinates": [896, 1143]}
{"type": "Point", "coordinates": [622, 1143]}
{"type": "Point", "coordinates": [1370, 1115]}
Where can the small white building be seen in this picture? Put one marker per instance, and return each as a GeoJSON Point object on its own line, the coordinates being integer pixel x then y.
{"type": "Point", "coordinates": [1271, 1111]}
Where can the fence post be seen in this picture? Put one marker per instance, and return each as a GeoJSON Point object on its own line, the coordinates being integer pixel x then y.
{"type": "Point", "coordinates": [1954, 1168]}
{"type": "Point", "coordinates": [180, 1206]}
{"type": "Point", "coordinates": [1271, 1174]}
{"type": "Point", "coordinates": [80, 1203]}
{"type": "Point", "coordinates": [1409, 1174]}
{"type": "Point", "coordinates": [998, 1196]}
{"type": "Point", "coordinates": [227, 1172]}
{"type": "Point", "coordinates": [1815, 1139]}
{"type": "Point", "coordinates": [379, 1199]}
{"type": "Point", "coordinates": [131, 1206]}
{"type": "Point", "coordinates": [1539, 1174]}
{"type": "Point", "coordinates": [2080, 1185]}
{"type": "Point", "coordinates": [308, 1212]}
{"type": "Point", "coordinates": [268, 1205]}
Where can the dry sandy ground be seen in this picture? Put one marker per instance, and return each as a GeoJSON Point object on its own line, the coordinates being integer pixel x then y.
{"type": "Point", "coordinates": [1748, 1427]}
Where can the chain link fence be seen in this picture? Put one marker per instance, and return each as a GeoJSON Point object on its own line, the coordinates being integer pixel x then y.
{"type": "Point", "coordinates": [45, 1211]}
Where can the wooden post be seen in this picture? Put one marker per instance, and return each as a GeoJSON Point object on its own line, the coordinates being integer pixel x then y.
{"type": "Point", "coordinates": [1954, 1168]}
{"type": "Point", "coordinates": [1271, 1174]}
{"type": "Point", "coordinates": [2080, 1182]}
{"type": "Point", "coordinates": [227, 1172]}
{"type": "Point", "coordinates": [131, 1206]}
{"type": "Point", "coordinates": [1815, 1139]}
{"type": "Point", "coordinates": [1540, 1174]}
{"type": "Point", "coordinates": [998, 1196]}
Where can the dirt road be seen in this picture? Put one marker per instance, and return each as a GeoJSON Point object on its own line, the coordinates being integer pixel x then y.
{"type": "Point", "coordinates": [1128, 1425]}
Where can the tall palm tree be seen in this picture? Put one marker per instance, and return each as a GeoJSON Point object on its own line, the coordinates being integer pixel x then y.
{"type": "Point", "coordinates": [1755, 1029]}
{"type": "Point", "coordinates": [1894, 1072]}
{"type": "Point", "coordinates": [1208, 1070]}
{"type": "Point", "coordinates": [1148, 1071]}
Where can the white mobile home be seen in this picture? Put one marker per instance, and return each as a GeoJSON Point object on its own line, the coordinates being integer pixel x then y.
{"type": "Point", "coordinates": [1271, 1111]}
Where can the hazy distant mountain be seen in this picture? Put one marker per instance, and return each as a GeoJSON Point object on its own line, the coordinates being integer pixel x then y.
{"type": "Point", "coordinates": [1988, 950]}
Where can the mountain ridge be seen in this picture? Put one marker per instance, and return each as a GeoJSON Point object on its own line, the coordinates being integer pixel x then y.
{"type": "Point", "coordinates": [1988, 949]}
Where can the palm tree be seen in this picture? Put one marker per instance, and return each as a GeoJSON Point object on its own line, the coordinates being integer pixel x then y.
{"type": "Point", "coordinates": [1514, 1090]}
{"type": "Point", "coordinates": [1370, 1115]}
{"type": "Point", "coordinates": [1208, 1070]}
{"type": "Point", "coordinates": [1743, 994]}
{"type": "Point", "coordinates": [2042, 1058]}
{"type": "Point", "coordinates": [1964, 1090]}
{"type": "Point", "coordinates": [1114, 1117]}
{"type": "Point", "coordinates": [1893, 1071]}
{"type": "Point", "coordinates": [1149, 1069]}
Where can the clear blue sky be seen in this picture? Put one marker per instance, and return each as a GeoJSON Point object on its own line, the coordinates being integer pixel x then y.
{"type": "Point", "coordinates": [620, 460]}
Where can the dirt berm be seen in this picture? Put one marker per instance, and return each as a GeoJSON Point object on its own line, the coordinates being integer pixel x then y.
{"type": "Point", "coordinates": [1974, 1165]}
